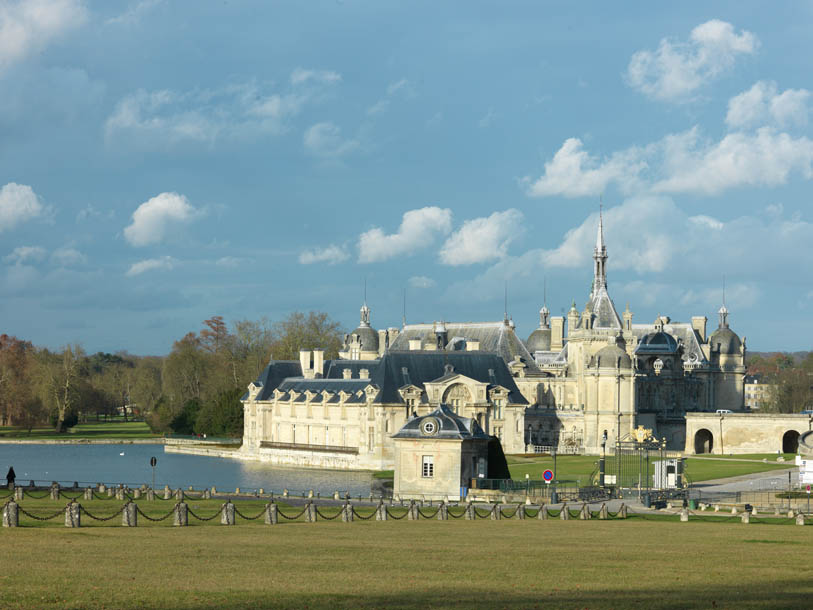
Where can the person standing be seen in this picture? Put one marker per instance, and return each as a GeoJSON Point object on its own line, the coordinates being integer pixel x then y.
{"type": "Point", "coordinates": [10, 477]}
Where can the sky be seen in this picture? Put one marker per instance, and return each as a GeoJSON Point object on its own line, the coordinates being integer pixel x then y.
{"type": "Point", "coordinates": [164, 161]}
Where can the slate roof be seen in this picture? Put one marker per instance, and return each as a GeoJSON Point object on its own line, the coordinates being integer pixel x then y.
{"type": "Point", "coordinates": [680, 331]}
{"type": "Point", "coordinates": [272, 376]}
{"type": "Point", "coordinates": [603, 309]}
{"type": "Point", "coordinates": [495, 337]}
{"type": "Point", "coordinates": [451, 426]}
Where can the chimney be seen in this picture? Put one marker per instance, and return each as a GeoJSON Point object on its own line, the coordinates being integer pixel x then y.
{"type": "Point", "coordinates": [305, 363]}
{"type": "Point", "coordinates": [319, 362]}
{"type": "Point", "coordinates": [472, 346]}
{"type": "Point", "coordinates": [699, 325]}
{"type": "Point", "coordinates": [364, 374]}
{"type": "Point", "coordinates": [414, 344]}
{"type": "Point", "coordinates": [557, 333]}
{"type": "Point", "coordinates": [347, 373]}
{"type": "Point", "coordinates": [383, 342]}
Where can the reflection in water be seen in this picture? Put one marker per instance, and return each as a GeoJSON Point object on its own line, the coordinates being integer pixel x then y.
{"type": "Point", "coordinates": [90, 464]}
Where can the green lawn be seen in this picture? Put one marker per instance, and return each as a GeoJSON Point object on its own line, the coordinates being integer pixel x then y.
{"type": "Point", "coordinates": [98, 430]}
{"type": "Point", "coordinates": [403, 564]}
{"type": "Point", "coordinates": [571, 469]}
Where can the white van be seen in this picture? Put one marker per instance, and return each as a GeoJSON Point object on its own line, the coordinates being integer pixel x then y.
{"type": "Point", "coordinates": [719, 411]}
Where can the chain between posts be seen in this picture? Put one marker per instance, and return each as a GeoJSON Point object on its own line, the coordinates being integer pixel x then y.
{"type": "Point", "coordinates": [154, 520]}
{"type": "Point", "coordinates": [357, 514]}
{"type": "Point", "coordinates": [33, 497]}
{"type": "Point", "coordinates": [322, 516]}
{"type": "Point", "coordinates": [453, 516]}
{"type": "Point", "coordinates": [284, 516]}
{"type": "Point", "coordinates": [242, 516]}
{"type": "Point", "coordinates": [486, 516]}
{"type": "Point", "coordinates": [393, 516]}
{"type": "Point", "coordinates": [217, 514]}
{"type": "Point", "coordinates": [54, 516]}
{"type": "Point", "coordinates": [432, 516]}
{"type": "Point", "coordinates": [116, 514]}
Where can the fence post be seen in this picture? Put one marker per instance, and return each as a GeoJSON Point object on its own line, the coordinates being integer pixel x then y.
{"type": "Point", "coordinates": [19, 493]}
{"type": "Point", "coordinates": [227, 513]}
{"type": "Point", "coordinates": [11, 516]}
{"type": "Point", "coordinates": [167, 493]}
{"type": "Point", "coordinates": [119, 493]}
{"type": "Point", "coordinates": [271, 515]}
{"type": "Point", "coordinates": [136, 494]}
{"type": "Point", "coordinates": [150, 495]}
{"type": "Point", "coordinates": [469, 511]}
{"type": "Point", "coordinates": [181, 516]}
{"type": "Point", "coordinates": [310, 512]}
{"type": "Point", "coordinates": [602, 513]}
{"type": "Point", "coordinates": [745, 517]}
{"type": "Point", "coordinates": [584, 514]}
{"type": "Point", "coordinates": [443, 511]}
{"type": "Point", "coordinates": [496, 512]}
{"type": "Point", "coordinates": [381, 511]}
{"type": "Point", "coordinates": [800, 519]}
{"type": "Point", "coordinates": [110, 492]}
{"type": "Point", "coordinates": [791, 514]}
{"type": "Point", "coordinates": [55, 492]}
{"type": "Point", "coordinates": [684, 516]}
{"type": "Point", "coordinates": [72, 515]}
{"type": "Point", "coordinates": [542, 515]}
{"type": "Point", "coordinates": [412, 512]}
{"type": "Point", "coordinates": [521, 511]}
{"type": "Point", "coordinates": [622, 512]}
{"type": "Point", "coordinates": [129, 516]}
{"type": "Point", "coordinates": [207, 494]}
{"type": "Point", "coordinates": [564, 513]}
{"type": "Point", "coordinates": [88, 493]}
{"type": "Point", "coordinates": [179, 495]}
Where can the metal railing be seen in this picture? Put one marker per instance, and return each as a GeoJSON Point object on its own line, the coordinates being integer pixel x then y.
{"type": "Point", "coordinates": [306, 447]}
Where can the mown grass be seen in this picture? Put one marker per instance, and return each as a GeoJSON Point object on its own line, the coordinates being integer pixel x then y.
{"type": "Point", "coordinates": [118, 430]}
{"type": "Point", "coordinates": [403, 564]}
{"type": "Point", "coordinates": [571, 469]}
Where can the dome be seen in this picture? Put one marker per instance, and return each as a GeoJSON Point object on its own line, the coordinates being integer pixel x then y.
{"type": "Point", "coordinates": [609, 357]}
{"type": "Point", "coordinates": [728, 341]}
{"type": "Point", "coordinates": [539, 340]}
{"type": "Point", "coordinates": [657, 343]}
{"type": "Point", "coordinates": [368, 337]}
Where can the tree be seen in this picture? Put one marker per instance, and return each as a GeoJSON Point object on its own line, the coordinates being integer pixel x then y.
{"type": "Point", "coordinates": [17, 404]}
{"type": "Point", "coordinates": [222, 416]}
{"type": "Point", "coordinates": [251, 344]}
{"type": "Point", "coordinates": [60, 374]}
{"type": "Point", "coordinates": [306, 331]}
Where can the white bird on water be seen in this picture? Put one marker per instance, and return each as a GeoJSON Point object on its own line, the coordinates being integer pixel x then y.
{"type": "Point", "coordinates": [122, 453]}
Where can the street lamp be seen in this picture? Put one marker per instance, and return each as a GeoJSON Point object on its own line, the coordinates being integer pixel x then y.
{"type": "Point", "coordinates": [602, 461]}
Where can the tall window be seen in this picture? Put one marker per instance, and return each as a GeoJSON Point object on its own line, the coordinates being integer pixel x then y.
{"type": "Point", "coordinates": [428, 467]}
{"type": "Point", "coordinates": [498, 408]}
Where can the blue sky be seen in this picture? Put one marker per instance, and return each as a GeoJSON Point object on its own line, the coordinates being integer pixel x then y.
{"type": "Point", "coordinates": [165, 161]}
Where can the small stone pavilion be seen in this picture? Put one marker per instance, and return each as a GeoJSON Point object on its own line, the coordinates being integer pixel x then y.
{"type": "Point", "coordinates": [437, 455]}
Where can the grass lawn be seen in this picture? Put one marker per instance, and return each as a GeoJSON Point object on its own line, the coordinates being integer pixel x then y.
{"type": "Point", "coordinates": [404, 564]}
{"type": "Point", "coordinates": [571, 469]}
{"type": "Point", "coordinates": [95, 430]}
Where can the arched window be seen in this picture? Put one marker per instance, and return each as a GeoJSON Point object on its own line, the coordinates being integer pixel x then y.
{"type": "Point", "coordinates": [457, 396]}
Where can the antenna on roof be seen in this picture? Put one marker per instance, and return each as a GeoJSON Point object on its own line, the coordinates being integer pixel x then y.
{"type": "Point", "coordinates": [505, 312]}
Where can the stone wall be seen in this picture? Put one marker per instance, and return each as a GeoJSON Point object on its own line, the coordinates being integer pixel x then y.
{"type": "Point", "coordinates": [744, 432]}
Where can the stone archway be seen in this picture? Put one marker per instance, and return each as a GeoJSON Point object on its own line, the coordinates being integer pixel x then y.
{"type": "Point", "coordinates": [703, 441]}
{"type": "Point", "coordinates": [790, 442]}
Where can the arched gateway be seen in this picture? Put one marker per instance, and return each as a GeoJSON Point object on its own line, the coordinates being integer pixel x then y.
{"type": "Point", "coordinates": [703, 441]}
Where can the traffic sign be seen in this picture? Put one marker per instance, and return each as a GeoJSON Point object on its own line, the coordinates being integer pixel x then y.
{"type": "Point", "coordinates": [808, 489]}
{"type": "Point", "coordinates": [548, 476]}
{"type": "Point", "coordinates": [153, 461]}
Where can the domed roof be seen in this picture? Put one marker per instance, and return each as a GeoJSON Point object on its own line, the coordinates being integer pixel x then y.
{"type": "Point", "coordinates": [539, 340]}
{"type": "Point", "coordinates": [727, 339]}
{"type": "Point", "coordinates": [441, 423]}
{"type": "Point", "coordinates": [659, 342]}
{"type": "Point", "coordinates": [611, 356]}
{"type": "Point", "coordinates": [368, 337]}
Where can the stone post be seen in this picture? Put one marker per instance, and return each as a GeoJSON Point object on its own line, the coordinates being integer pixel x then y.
{"type": "Point", "coordinates": [745, 517]}
{"type": "Point", "coordinates": [310, 512]}
{"type": "Point", "coordinates": [542, 515]}
{"type": "Point", "coordinates": [496, 512]}
{"type": "Point", "coordinates": [137, 494]}
{"type": "Point", "coordinates": [179, 495]}
{"type": "Point", "coordinates": [381, 512]}
{"type": "Point", "coordinates": [684, 515]}
{"type": "Point", "coordinates": [227, 513]}
{"type": "Point", "coordinates": [800, 519]}
{"type": "Point", "coordinates": [271, 515]}
{"type": "Point", "coordinates": [102, 488]}
{"type": "Point", "coordinates": [11, 516]}
{"type": "Point", "coordinates": [622, 512]}
{"type": "Point", "coordinates": [443, 511]}
{"type": "Point", "coordinates": [110, 492]}
{"type": "Point", "coordinates": [119, 493]}
{"type": "Point", "coordinates": [150, 495]}
{"type": "Point", "coordinates": [129, 516]}
{"type": "Point", "coordinates": [72, 515]}
{"type": "Point", "coordinates": [733, 510]}
{"type": "Point", "coordinates": [791, 514]}
{"type": "Point", "coordinates": [336, 495]}
{"type": "Point", "coordinates": [88, 495]}
{"type": "Point", "coordinates": [521, 511]}
{"type": "Point", "coordinates": [412, 512]}
{"type": "Point", "coordinates": [564, 515]}
{"type": "Point", "coordinates": [754, 511]}
{"type": "Point", "coordinates": [603, 513]}
{"type": "Point", "coordinates": [19, 493]}
{"type": "Point", "coordinates": [167, 493]}
{"type": "Point", "coordinates": [348, 509]}
{"type": "Point", "coordinates": [55, 492]}
{"type": "Point", "coordinates": [207, 494]}
{"type": "Point", "coordinates": [584, 513]}
{"type": "Point", "coordinates": [181, 514]}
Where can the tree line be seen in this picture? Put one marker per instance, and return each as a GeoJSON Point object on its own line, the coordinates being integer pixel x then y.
{"type": "Point", "coordinates": [790, 378]}
{"type": "Point", "coordinates": [195, 389]}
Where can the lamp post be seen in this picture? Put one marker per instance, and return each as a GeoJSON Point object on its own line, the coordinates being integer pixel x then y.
{"type": "Point", "coordinates": [602, 461]}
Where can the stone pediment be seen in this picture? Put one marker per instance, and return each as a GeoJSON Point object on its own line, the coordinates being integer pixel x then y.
{"type": "Point", "coordinates": [436, 389]}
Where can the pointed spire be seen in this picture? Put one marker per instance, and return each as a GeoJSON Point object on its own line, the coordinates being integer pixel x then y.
{"type": "Point", "coordinates": [505, 311]}
{"type": "Point", "coordinates": [723, 311]}
{"type": "Point", "coordinates": [600, 235]}
{"type": "Point", "coordinates": [599, 256]}
{"type": "Point", "coordinates": [365, 311]}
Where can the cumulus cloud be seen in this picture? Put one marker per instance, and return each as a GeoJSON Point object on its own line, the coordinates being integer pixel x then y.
{"type": "Point", "coordinates": [421, 281]}
{"type": "Point", "coordinates": [68, 257]}
{"type": "Point", "coordinates": [419, 229]}
{"type": "Point", "coordinates": [325, 140]}
{"type": "Point", "coordinates": [331, 255]}
{"type": "Point", "coordinates": [301, 76]}
{"type": "Point", "coordinates": [26, 254]}
{"type": "Point", "coordinates": [28, 26]}
{"type": "Point", "coordinates": [155, 218]}
{"type": "Point", "coordinates": [18, 203]}
{"type": "Point", "coordinates": [706, 221]}
{"type": "Point", "coordinates": [573, 172]}
{"type": "Point", "coordinates": [164, 263]}
{"type": "Point", "coordinates": [134, 13]}
{"type": "Point", "coordinates": [763, 104]}
{"type": "Point", "coordinates": [482, 239]}
{"type": "Point", "coordinates": [676, 70]}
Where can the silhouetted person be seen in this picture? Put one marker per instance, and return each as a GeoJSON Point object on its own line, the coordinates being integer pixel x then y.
{"type": "Point", "coordinates": [10, 477]}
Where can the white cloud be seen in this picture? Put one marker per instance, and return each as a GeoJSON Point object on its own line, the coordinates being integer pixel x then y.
{"type": "Point", "coordinates": [421, 281]}
{"type": "Point", "coordinates": [573, 172]}
{"type": "Point", "coordinates": [418, 229]}
{"type": "Point", "coordinates": [678, 69]}
{"type": "Point", "coordinates": [18, 203]}
{"type": "Point", "coordinates": [325, 140]}
{"type": "Point", "coordinates": [762, 104]}
{"type": "Point", "coordinates": [27, 26]}
{"type": "Point", "coordinates": [155, 218]}
{"type": "Point", "coordinates": [706, 221]}
{"type": "Point", "coordinates": [230, 262]}
{"type": "Point", "coordinates": [134, 13]}
{"type": "Point", "coordinates": [301, 76]}
{"type": "Point", "coordinates": [164, 263]}
{"type": "Point", "coordinates": [240, 111]}
{"type": "Point", "coordinates": [482, 239]}
{"type": "Point", "coordinates": [379, 107]}
{"type": "Point", "coordinates": [26, 254]}
{"type": "Point", "coordinates": [331, 255]}
{"type": "Point", "coordinates": [400, 85]}
{"type": "Point", "coordinates": [68, 257]}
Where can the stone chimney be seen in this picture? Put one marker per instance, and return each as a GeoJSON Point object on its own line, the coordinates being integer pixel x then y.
{"type": "Point", "coordinates": [305, 363]}
{"type": "Point", "coordinates": [364, 374]}
{"type": "Point", "coordinates": [347, 373]}
{"type": "Point", "coordinates": [319, 362]}
{"type": "Point", "coordinates": [699, 325]}
{"type": "Point", "coordinates": [472, 346]}
{"type": "Point", "coordinates": [557, 333]}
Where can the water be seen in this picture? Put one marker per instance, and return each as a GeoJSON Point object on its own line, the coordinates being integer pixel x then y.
{"type": "Point", "coordinates": [91, 464]}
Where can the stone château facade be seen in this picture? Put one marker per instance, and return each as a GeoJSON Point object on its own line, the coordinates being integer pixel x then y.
{"type": "Point", "coordinates": [574, 379]}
